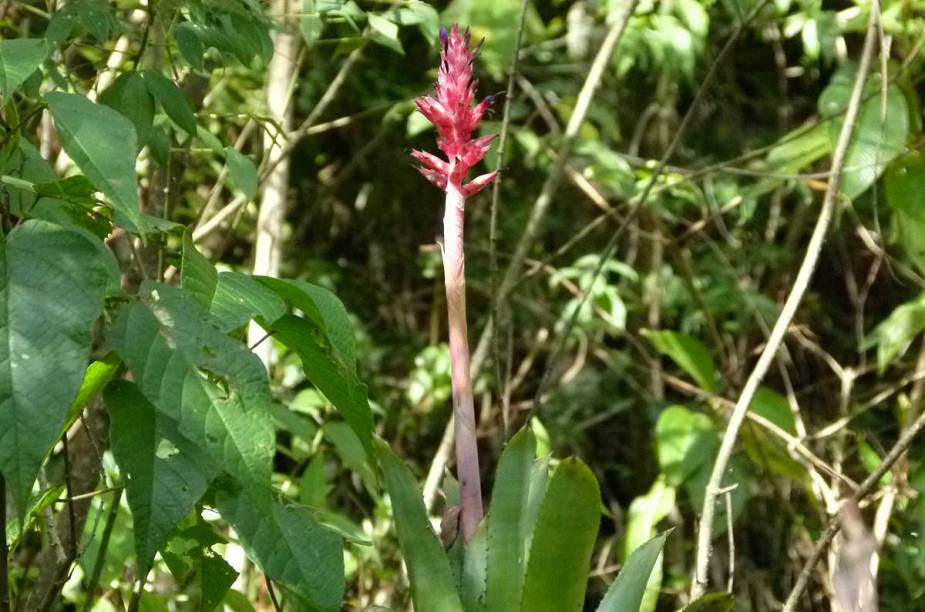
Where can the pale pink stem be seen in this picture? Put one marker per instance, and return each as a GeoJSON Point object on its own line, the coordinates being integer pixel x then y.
{"type": "Point", "coordinates": [454, 275]}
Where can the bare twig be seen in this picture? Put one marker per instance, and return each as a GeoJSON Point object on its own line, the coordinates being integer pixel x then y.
{"type": "Point", "coordinates": [905, 440]}
{"type": "Point", "coordinates": [495, 202]}
{"type": "Point", "coordinates": [800, 285]}
{"type": "Point", "coordinates": [94, 579]}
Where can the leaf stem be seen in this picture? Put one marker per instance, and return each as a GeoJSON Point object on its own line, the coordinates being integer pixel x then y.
{"type": "Point", "coordinates": [454, 278]}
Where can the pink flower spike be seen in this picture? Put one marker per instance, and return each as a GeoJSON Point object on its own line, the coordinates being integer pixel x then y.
{"type": "Point", "coordinates": [452, 112]}
{"type": "Point", "coordinates": [478, 183]}
{"type": "Point", "coordinates": [431, 161]}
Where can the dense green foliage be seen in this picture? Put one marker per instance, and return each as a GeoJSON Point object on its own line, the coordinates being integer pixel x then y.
{"type": "Point", "coordinates": [156, 455]}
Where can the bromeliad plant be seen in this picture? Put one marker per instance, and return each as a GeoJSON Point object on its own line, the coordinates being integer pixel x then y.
{"type": "Point", "coordinates": [533, 551]}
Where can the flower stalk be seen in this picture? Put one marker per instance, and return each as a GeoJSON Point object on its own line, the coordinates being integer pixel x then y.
{"type": "Point", "coordinates": [452, 112]}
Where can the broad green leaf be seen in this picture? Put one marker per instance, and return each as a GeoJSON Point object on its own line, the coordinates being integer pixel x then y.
{"type": "Point", "coordinates": [800, 148]}
{"type": "Point", "coordinates": [351, 452]}
{"type": "Point", "coordinates": [385, 33]}
{"type": "Point", "coordinates": [188, 44]}
{"type": "Point", "coordinates": [712, 602]}
{"type": "Point", "coordinates": [688, 353]}
{"type": "Point", "coordinates": [216, 577]}
{"type": "Point", "coordinates": [560, 555]}
{"type": "Point", "coordinates": [645, 513]}
{"type": "Point", "coordinates": [240, 297]}
{"type": "Point", "coordinates": [103, 145]}
{"type": "Point", "coordinates": [432, 585]}
{"type": "Point", "coordinates": [905, 193]}
{"type": "Point", "coordinates": [627, 591]}
{"type": "Point", "coordinates": [877, 139]}
{"type": "Point", "coordinates": [290, 546]}
{"type": "Point", "coordinates": [129, 95]}
{"type": "Point", "coordinates": [685, 441]}
{"type": "Point", "coordinates": [895, 333]}
{"type": "Point", "coordinates": [19, 58]}
{"type": "Point", "coordinates": [774, 407]}
{"type": "Point", "coordinates": [313, 486]}
{"type": "Point", "coordinates": [206, 381]}
{"type": "Point", "coordinates": [492, 20]}
{"type": "Point", "coordinates": [507, 523]}
{"type": "Point", "coordinates": [422, 15]}
{"type": "Point", "coordinates": [44, 340]}
{"type": "Point", "coordinates": [165, 473]}
{"type": "Point", "coordinates": [172, 100]}
{"type": "Point", "coordinates": [197, 274]}
{"type": "Point", "coordinates": [324, 341]}
{"type": "Point", "coordinates": [242, 171]}
{"type": "Point", "coordinates": [341, 387]}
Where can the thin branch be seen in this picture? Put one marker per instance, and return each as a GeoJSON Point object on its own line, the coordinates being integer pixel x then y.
{"type": "Point", "coordinates": [800, 285]}
{"type": "Point", "coordinates": [834, 525]}
{"type": "Point", "coordinates": [97, 570]}
{"type": "Point", "coordinates": [641, 200]}
{"type": "Point", "coordinates": [272, 594]}
{"type": "Point", "coordinates": [495, 201]}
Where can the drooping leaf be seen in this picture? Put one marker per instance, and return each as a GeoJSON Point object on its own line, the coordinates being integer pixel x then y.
{"type": "Point", "coordinates": [627, 591]}
{"type": "Point", "coordinates": [98, 375]}
{"type": "Point", "coordinates": [877, 139]}
{"type": "Point", "coordinates": [432, 585]}
{"type": "Point", "coordinates": [324, 341]}
{"type": "Point", "coordinates": [290, 546]}
{"type": "Point", "coordinates": [189, 45]}
{"type": "Point", "coordinates": [129, 95]}
{"type": "Point", "coordinates": [44, 339]}
{"type": "Point", "coordinates": [798, 149]}
{"type": "Point", "coordinates": [507, 524]}
{"type": "Point", "coordinates": [560, 555]}
{"type": "Point", "coordinates": [96, 137]}
{"type": "Point", "coordinates": [893, 335]}
{"type": "Point", "coordinates": [172, 100]}
{"type": "Point", "coordinates": [685, 441]}
{"type": "Point", "coordinates": [242, 171]}
{"type": "Point", "coordinates": [19, 58]}
{"type": "Point", "coordinates": [905, 193]}
{"type": "Point", "coordinates": [689, 353]}
{"type": "Point", "coordinates": [209, 383]}
{"type": "Point", "coordinates": [197, 274]}
{"type": "Point", "coordinates": [165, 473]}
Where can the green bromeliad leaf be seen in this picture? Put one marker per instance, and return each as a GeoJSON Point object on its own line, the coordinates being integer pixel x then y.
{"type": "Point", "coordinates": [432, 584]}
{"type": "Point", "coordinates": [507, 523]}
{"type": "Point", "coordinates": [44, 338]}
{"type": "Point", "coordinates": [560, 555]}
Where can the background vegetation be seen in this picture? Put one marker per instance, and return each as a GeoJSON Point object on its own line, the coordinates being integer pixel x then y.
{"type": "Point", "coordinates": [630, 300]}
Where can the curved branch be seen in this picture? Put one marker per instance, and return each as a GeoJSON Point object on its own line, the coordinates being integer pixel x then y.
{"type": "Point", "coordinates": [800, 285]}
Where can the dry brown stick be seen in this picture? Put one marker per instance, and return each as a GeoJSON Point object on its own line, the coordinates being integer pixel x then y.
{"type": "Point", "coordinates": [800, 285]}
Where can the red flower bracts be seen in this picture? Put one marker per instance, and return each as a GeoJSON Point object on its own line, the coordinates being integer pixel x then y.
{"type": "Point", "coordinates": [453, 114]}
